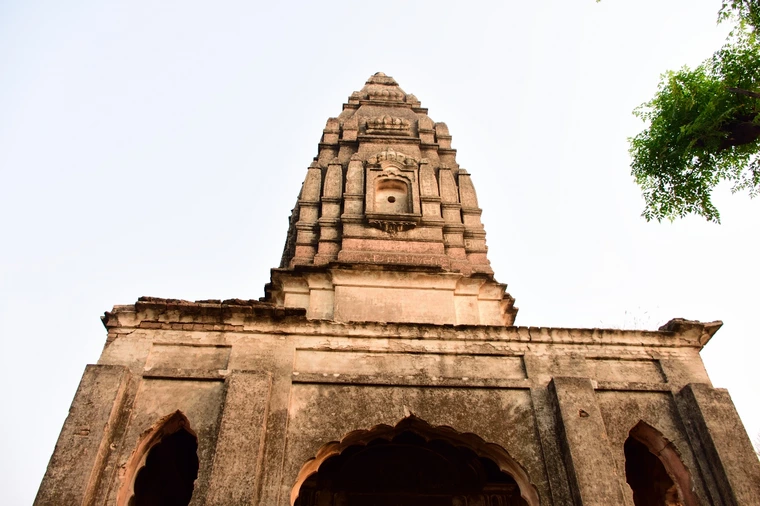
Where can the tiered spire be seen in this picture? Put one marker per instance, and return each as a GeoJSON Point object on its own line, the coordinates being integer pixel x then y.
{"type": "Point", "coordinates": [385, 192]}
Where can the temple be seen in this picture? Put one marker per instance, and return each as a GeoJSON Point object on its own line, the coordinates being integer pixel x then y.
{"type": "Point", "coordinates": [383, 367]}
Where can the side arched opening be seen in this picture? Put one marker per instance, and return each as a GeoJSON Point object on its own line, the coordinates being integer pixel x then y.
{"type": "Point", "coordinates": [654, 470]}
{"type": "Point", "coordinates": [412, 464]}
{"type": "Point", "coordinates": [164, 466]}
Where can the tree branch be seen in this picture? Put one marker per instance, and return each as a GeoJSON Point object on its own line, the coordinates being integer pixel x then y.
{"type": "Point", "coordinates": [748, 93]}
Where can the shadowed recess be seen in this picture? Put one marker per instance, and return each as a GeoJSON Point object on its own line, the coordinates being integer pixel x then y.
{"type": "Point", "coordinates": [169, 473]}
{"type": "Point", "coordinates": [409, 470]}
{"type": "Point", "coordinates": [655, 471]}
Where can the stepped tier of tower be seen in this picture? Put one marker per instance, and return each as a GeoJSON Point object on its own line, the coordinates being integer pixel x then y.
{"type": "Point", "coordinates": [387, 225]}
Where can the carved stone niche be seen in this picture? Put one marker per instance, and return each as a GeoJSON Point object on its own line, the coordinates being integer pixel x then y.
{"type": "Point", "coordinates": [392, 192]}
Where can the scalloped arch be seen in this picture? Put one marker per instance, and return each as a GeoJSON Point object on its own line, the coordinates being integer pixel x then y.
{"type": "Point", "coordinates": [417, 425]}
{"type": "Point", "coordinates": [663, 449]}
{"type": "Point", "coordinates": [166, 426]}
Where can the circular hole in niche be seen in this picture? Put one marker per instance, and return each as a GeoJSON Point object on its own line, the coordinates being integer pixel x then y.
{"type": "Point", "coordinates": [391, 199]}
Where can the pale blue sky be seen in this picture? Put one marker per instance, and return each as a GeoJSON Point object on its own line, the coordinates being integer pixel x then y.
{"type": "Point", "coordinates": [156, 148]}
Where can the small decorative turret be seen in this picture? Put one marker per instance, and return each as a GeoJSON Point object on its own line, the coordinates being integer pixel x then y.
{"type": "Point", "coordinates": [387, 225]}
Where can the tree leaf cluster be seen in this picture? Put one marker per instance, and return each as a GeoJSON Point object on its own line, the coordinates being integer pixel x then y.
{"type": "Point", "coordinates": [746, 12]}
{"type": "Point", "coordinates": [703, 126]}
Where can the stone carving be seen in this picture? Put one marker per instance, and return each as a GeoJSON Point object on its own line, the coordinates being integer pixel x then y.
{"type": "Point", "coordinates": [386, 95]}
{"type": "Point", "coordinates": [388, 125]}
{"type": "Point", "coordinates": [391, 211]}
{"type": "Point", "coordinates": [393, 226]}
{"type": "Point", "coordinates": [392, 156]}
{"type": "Point", "coordinates": [381, 78]}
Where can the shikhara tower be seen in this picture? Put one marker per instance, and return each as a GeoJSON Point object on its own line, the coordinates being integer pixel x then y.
{"type": "Point", "coordinates": [383, 368]}
{"type": "Point", "coordinates": [387, 226]}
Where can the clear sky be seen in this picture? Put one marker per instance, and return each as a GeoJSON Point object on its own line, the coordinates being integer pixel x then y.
{"type": "Point", "coordinates": [156, 148]}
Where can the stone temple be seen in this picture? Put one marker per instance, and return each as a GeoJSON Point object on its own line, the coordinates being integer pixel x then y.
{"type": "Point", "coordinates": [383, 368]}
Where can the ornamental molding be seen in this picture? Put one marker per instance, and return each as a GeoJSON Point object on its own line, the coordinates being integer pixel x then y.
{"type": "Point", "coordinates": [391, 172]}
{"type": "Point", "coordinates": [386, 95]}
{"type": "Point", "coordinates": [381, 78]}
{"type": "Point", "coordinates": [392, 156]}
{"type": "Point", "coordinates": [392, 224]}
{"type": "Point", "coordinates": [388, 125]}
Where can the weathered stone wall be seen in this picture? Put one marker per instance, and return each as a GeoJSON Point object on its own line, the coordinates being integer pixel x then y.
{"type": "Point", "coordinates": [264, 390]}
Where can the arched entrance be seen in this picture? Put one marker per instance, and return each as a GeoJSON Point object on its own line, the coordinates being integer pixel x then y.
{"type": "Point", "coordinates": [654, 470]}
{"type": "Point", "coordinates": [163, 468]}
{"type": "Point", "coordinates": [412, 464]}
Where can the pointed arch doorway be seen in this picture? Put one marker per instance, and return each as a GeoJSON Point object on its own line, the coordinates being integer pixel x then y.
{"type": "Point", "coordinates": [654, 470]}
{"type": "Point", "coordinates": [163, 467]}
{"type": "Point", "coordinates": [412, 464]}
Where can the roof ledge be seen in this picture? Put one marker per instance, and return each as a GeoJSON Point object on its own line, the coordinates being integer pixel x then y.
{"type": "Point", "coordinates": [202, 311]}
{"type": "Point", "coordinates": [693, 330]}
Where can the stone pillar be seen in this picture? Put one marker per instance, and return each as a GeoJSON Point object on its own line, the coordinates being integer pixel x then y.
{"type": "Point", "coordinates": [235, 477]}
{"type": "Point", "coordinates": [429, 197]}
{"type": "Point", "coordinates": [329, 235]}
{"type": "Point", "coordinates": [273, 489]}
{"type": "Point", "coordinates": [443, 139]}
{"type": "Point", "coordinates": [77, 462]}
{"type": "Point", "coordinates": [474, 233]}
{"type": "Point", "coordinates": [453, 230]}
{"type": "Point", "coordinates": [353, 197]}
{"type": "Point", "coordinates": [308, 204]}
{"type": "Point", "coordinates": [727, 453]}
{"type": "Point", "coordinates": [350, 129]}
{"type": "Point", "coordinates": [425, 130]}
{"type": "Point", "coordinates": [585, 445]}
{"type": "Point", "coordinates": [547, 425]}
{"type": "Point", "coordinates": [352, 219]}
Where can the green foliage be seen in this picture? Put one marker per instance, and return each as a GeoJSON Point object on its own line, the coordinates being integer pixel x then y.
{"type": "Point", "coordinates": [747, 12]}
{"type": "Point", "coordinates": [704, 127]}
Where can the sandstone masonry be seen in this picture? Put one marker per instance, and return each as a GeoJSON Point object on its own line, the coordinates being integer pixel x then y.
{"type": "Point", "coordinates": [383, 368]}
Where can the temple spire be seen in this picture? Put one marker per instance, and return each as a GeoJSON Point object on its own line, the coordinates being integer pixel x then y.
{"type": "Point", "coordinates": [386, 215]}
